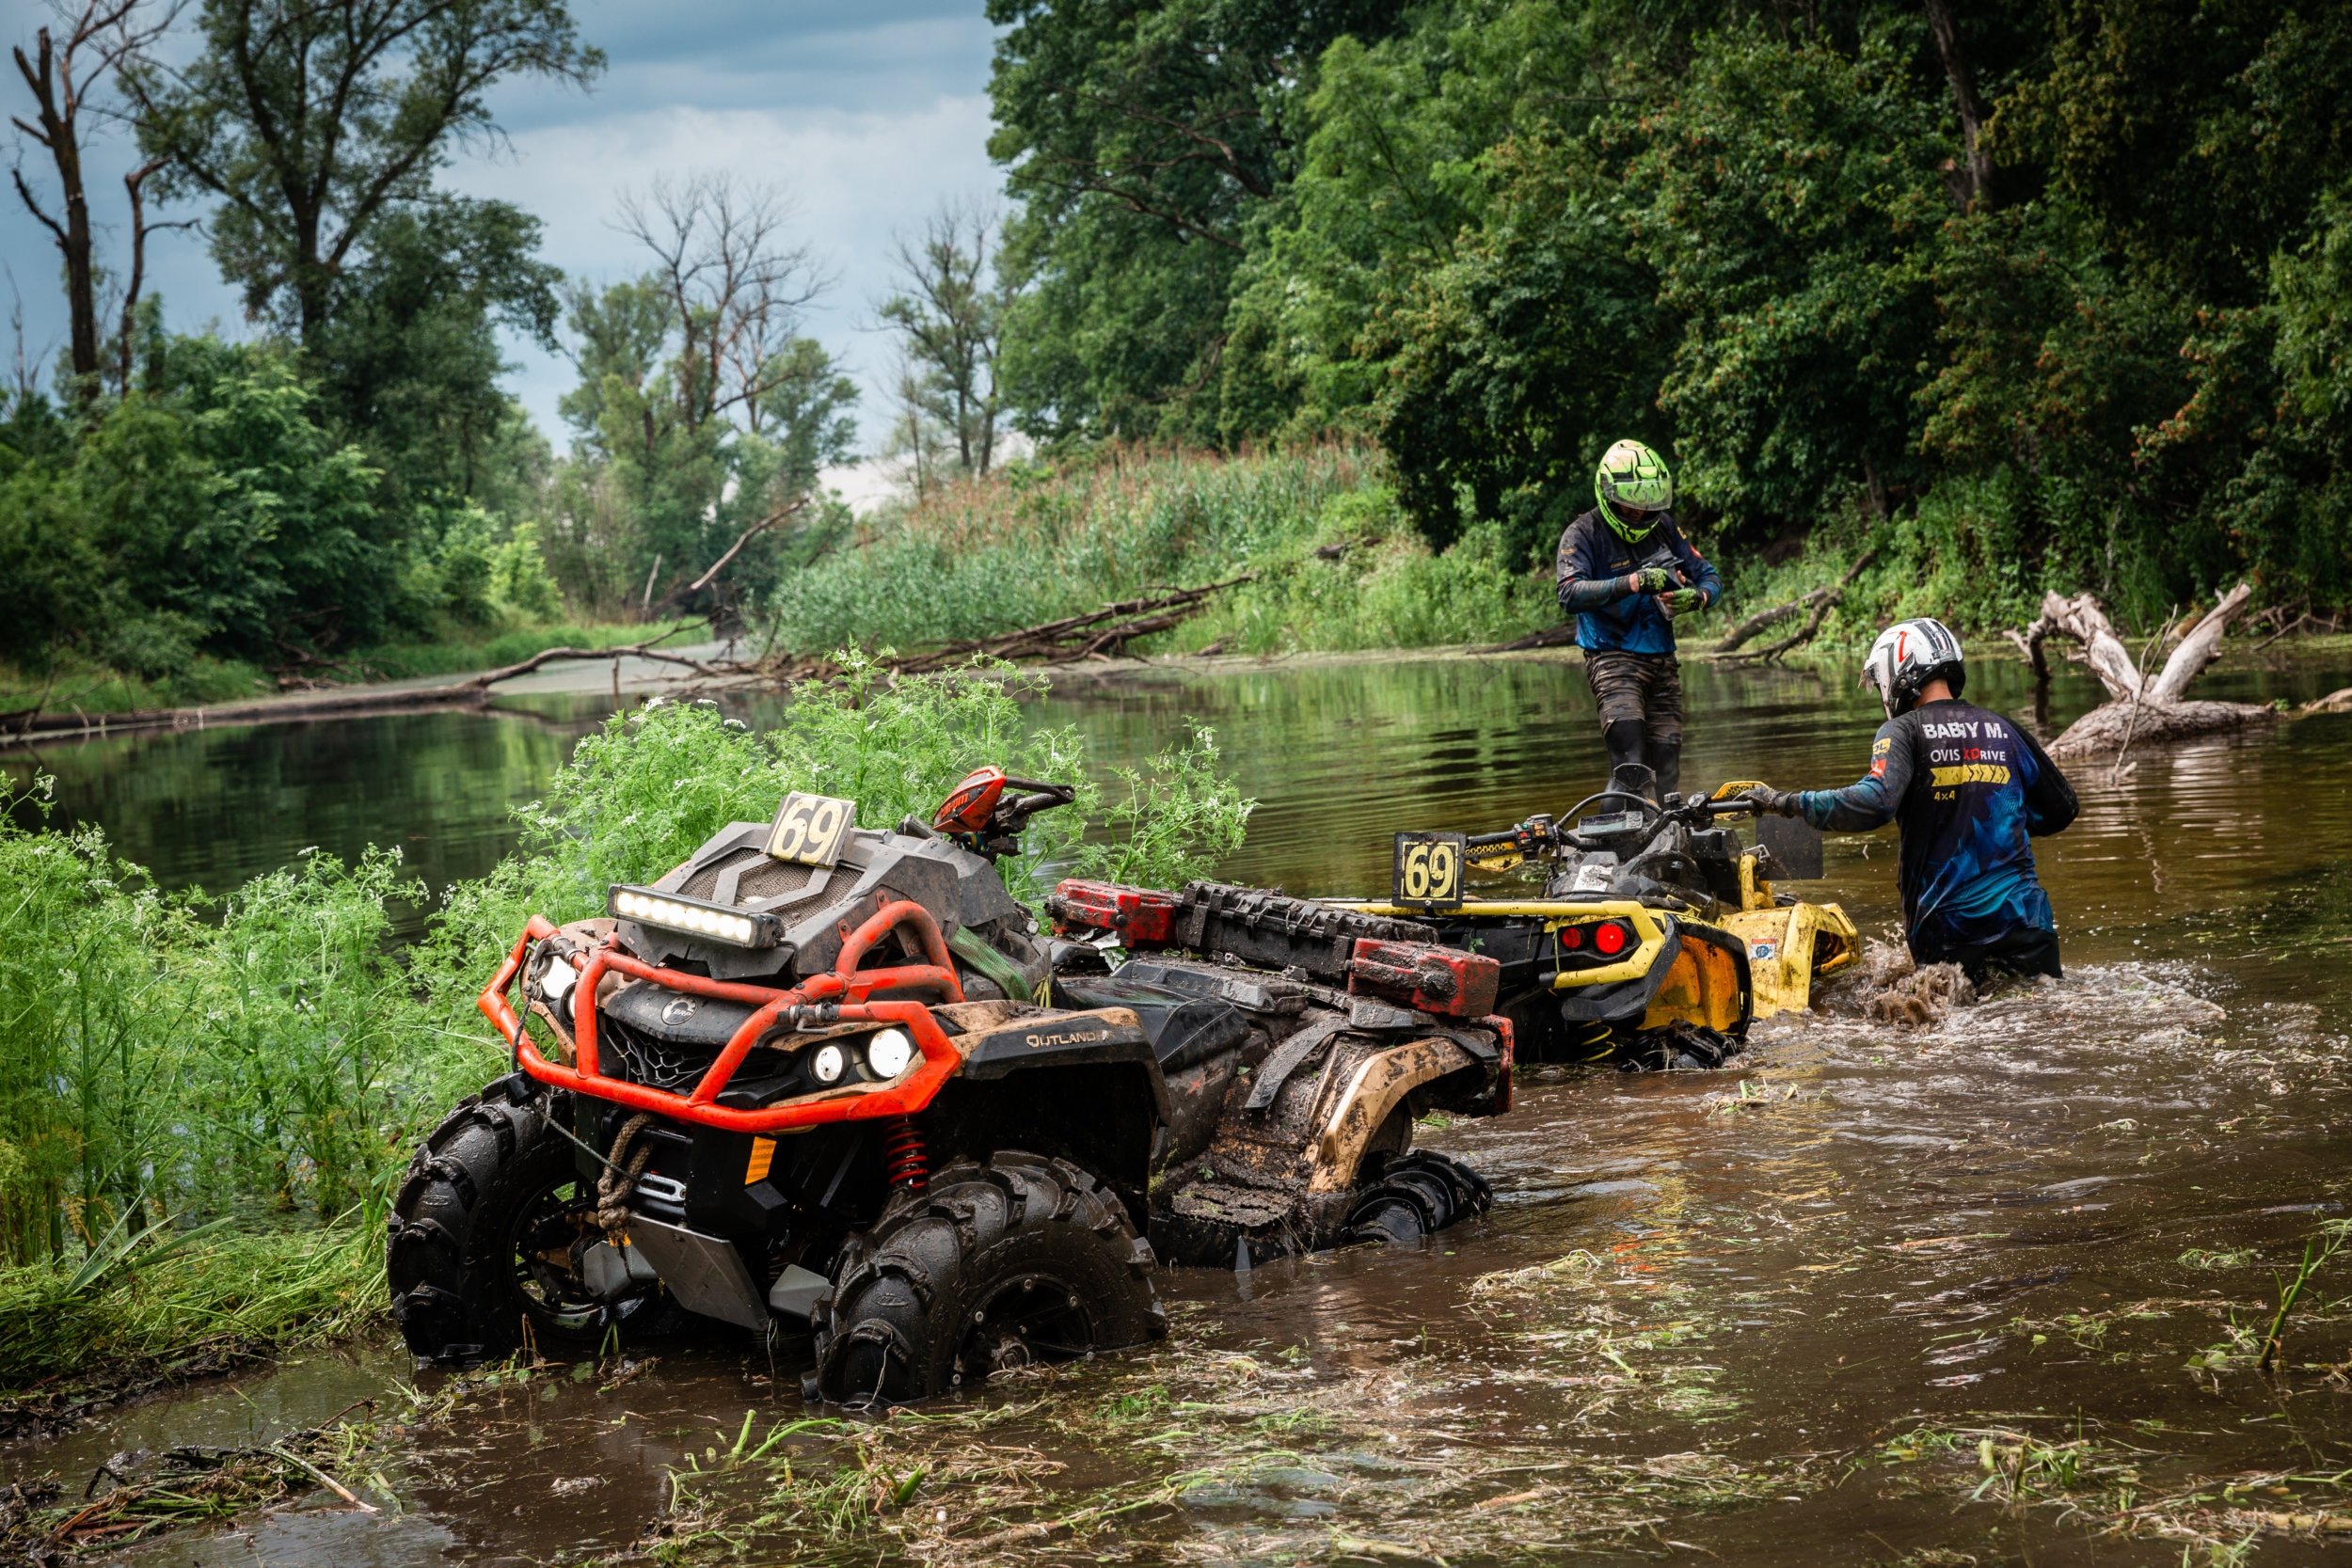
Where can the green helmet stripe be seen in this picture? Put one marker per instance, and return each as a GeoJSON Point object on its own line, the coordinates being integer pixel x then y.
{"type": "Point", "coordinates": [1630, 474]}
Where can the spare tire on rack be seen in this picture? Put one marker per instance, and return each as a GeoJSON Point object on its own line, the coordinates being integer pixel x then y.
{"type": "Point", "coordinates": [996, 1263]}
{"type": "Point", "coordinates": [484, 1229]}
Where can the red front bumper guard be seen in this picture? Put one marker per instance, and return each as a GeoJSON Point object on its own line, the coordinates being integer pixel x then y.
{"type": "Point", "coordinates": [846, 985]}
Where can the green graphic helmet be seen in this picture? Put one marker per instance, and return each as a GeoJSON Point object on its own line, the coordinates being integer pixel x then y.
{"type": "Point", "coordinates": [1635, 488]}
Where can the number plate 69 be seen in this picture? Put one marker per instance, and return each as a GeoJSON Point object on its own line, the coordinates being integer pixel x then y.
{"type": "Point", "coordinates": [810, 830]}
{"type": "Point", "coordinates": [1429, 870]}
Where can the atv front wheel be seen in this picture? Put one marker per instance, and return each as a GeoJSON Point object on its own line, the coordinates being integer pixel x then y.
{"type": "Point", "coordinates": [995, 1265]}
{"type": "Point", "coordinates": [482, 1231]}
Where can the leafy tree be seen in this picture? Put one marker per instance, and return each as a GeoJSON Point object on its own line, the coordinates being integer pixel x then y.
{"type": "Point", "coordinates": [703, 416]}
{"type": "Point", "coordinates": [311, 120]}
{"type": "Point", "coordinates": [408, 357]}
{"type": "Point", "coordinates": [949, 315]}
{"type": "Point", "coordinates": [1140, 139]}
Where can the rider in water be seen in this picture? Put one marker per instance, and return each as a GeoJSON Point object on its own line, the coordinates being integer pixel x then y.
{"type": "Point", "coordinates": [1625, 572]}
{"type": "Point", "coordinates": [1969, 789]}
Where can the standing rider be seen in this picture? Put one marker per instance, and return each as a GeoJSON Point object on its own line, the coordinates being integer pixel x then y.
{"type": "Point", "coordinates": [1969, 789]}
{"type": "Point", "coordinates": [1625, 572]}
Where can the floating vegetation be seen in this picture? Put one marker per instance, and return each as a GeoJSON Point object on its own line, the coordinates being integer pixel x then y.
{"type": "Point", "coordinates": [133, 1496]}
{"type": "Point", "coordinates": [2121, 1489]}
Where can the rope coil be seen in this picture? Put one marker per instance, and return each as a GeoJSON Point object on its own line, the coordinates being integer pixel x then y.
{"type": "Point", "coordinates": [617, 1182]}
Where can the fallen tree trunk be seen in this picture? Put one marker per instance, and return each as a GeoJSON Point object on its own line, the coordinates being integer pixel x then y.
{"type": "Point", "coordinates": [1819, 601]}
{"type": "Point", "coordinates": [2140, 710]}
{"type": "Point", "coordinates": [488, 679]}
{"type": "Point", "coordinates": [1099, 634]}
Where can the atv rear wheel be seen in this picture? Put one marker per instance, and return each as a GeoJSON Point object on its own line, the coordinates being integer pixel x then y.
{"type": "Point", "coordinates": [482, 1230]}
{"type": "Point", "coordinates": [996, 1264]}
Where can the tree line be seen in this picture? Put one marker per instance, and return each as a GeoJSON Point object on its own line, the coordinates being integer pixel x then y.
{"type": "Point", "coordinates": [2053, 292]}
{"type": "Point", "coordinates": [351, 467]}
{"type": "Point", "coordinates": [2023, 294]}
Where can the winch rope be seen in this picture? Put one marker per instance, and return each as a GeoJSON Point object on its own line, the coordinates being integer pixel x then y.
{"type": "Point", "coordinates": [614, 1186]}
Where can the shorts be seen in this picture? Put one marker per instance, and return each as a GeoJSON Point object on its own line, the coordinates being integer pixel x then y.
{"type": "Point", "coordinates": [1646, 686]}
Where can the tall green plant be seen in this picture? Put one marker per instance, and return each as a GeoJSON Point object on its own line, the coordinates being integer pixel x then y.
{"type": "Point", "coordinates": [87, 1030]}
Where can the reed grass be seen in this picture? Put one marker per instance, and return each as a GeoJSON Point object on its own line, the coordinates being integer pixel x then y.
{"type": "Point", "coordinates": [1336, 564]}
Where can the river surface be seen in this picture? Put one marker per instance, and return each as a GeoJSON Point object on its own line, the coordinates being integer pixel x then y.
{"type": "Point", "coordinates": [1988, 1290]}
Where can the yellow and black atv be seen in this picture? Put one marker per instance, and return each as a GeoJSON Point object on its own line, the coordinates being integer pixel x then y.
{"type": "Point", "coordinates": [1658, 936]}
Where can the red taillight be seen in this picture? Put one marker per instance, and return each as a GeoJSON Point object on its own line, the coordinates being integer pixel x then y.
{"type": "Point", "coordinates": [1610, 938]}
{"type": "Point", "coordinates": [1572, 937]}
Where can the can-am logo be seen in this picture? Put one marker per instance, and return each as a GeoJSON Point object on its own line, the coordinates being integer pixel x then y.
{"type": "Point", "coordinates": [680, 1010]}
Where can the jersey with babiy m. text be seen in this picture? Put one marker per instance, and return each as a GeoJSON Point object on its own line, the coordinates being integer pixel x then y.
{"type": "Point", "coordinates": [1968, 790]}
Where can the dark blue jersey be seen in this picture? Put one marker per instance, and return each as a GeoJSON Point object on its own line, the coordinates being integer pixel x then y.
{"type": "Point", "coordinates": [1593, 566]}
{"type": "Point", "coordinates": [1968, 789]}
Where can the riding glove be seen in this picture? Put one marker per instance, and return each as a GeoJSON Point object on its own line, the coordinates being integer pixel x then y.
{"type": "Point", "coordinates": [1682, 599]}
{"type": "Point", "coordinates": [1651, 580]}
{"type": "Point", "coordinates": [1774, 802]}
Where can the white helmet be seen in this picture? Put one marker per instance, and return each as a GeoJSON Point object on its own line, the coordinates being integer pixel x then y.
{"type": "Point", "coordinates": [1907, 655]}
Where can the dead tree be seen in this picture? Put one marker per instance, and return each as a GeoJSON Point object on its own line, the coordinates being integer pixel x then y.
{"type": "Point", "coordinates": [1820, 601]}
{"type": "Point", "coordinates": [2140, 710]}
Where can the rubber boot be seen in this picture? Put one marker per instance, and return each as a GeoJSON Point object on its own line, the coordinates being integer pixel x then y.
{"type": "Point", "coordinates": [1624, 740]}
{"type": "Point", "coordinates": [1626, 771]}
{"type": "Point", "coordinates": [1665, 760]}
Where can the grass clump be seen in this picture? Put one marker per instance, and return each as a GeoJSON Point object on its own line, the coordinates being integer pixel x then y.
{"type": "Point", "coordinates": [1336, 564]}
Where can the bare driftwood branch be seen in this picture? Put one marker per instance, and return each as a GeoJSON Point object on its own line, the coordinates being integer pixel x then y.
{"type": "Point", "coordinates": [2335, 702]}
{"type": "Point", "coordinates": [1767, 618]}
{"type": "Point", "coordinates": [2141, 710]}
{"type": "Point", "coordinates": [1100, 634]}
{"type": "Point", "coordinates": [2199, 647]}
{"type": "Point", "coordinates": [1546, 637]}
{"type": "Point", "coordinates": [2029, 644]}
{"type": "Point", "coordinates": [1819, 601]}
{"type": "Point", "coordinates": [678, 596]}
{"type": "Point", "coordinates": [488, 679]}
{"type": "Point", "coordinates": [2081, 619]}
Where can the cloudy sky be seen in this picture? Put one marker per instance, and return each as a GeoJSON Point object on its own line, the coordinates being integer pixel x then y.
{"type": "Point", "coordinates": [866, 115]}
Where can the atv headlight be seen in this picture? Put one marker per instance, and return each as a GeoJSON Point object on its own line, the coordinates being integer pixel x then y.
{"type": "Point", "coordinates": [826, 1065]}
{"type": "Point", "coordinates": [695, 918]}
{"type": "Point", "coordinates": [889, 1053]}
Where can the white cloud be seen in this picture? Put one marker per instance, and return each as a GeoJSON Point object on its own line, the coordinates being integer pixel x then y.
{"type": "Point", "coordinates": [853, 179]}
{"type": "Point", "coordinates": [868, 114]}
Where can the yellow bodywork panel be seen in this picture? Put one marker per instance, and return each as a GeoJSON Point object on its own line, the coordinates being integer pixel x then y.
{"type": "Point", "coordinates": [1789, 948]}
{"type": "Point", "coordinates": [1701, 986]}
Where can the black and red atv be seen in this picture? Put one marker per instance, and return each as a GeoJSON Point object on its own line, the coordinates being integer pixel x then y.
{"type": "Point", "coordinates": [835, 1076]}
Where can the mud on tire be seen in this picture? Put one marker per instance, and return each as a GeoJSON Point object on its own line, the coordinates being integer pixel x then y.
{"type": "Point", "coordinates": [488, 1199]}
{"type": "Point", "coordinates": [999, 1262]}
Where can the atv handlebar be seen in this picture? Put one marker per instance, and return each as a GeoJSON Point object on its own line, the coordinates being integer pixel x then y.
{"type": "Point", "coordinates": [1538, 834]}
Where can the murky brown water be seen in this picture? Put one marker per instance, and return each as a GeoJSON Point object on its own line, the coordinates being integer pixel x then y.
{"type": "Point", "coordinates": [1767, 1315]}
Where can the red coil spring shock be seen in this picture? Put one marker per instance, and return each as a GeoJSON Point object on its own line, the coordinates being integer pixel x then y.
{"type": "Point", "coordinates": [904, 1159]}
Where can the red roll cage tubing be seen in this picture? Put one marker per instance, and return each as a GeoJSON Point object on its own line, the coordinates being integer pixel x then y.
{"type": "Point", "coordinates": [940, 1057]}
{"type": "Point", "coordinates": [845, 984]}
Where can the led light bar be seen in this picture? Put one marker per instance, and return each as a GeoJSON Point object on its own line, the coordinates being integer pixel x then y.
{"type": "Point", "coordinates": [694, 918]}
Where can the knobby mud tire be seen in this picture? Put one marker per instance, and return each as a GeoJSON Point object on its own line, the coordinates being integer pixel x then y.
{"type": "Point", "coordinates": [461, 1284]}
{"type": "Point", "coordinates": [1415, 1197]}
{"type": "Point", "coordinates": [997, 1262]}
